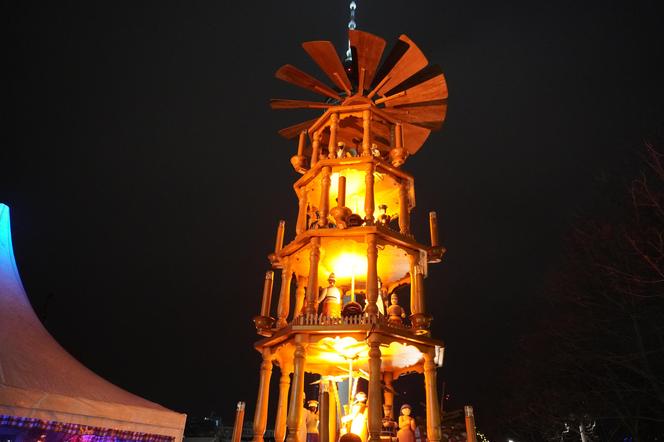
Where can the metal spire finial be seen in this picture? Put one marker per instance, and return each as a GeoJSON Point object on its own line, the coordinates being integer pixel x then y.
{"type": "Point", "coordinates": [351, 25]}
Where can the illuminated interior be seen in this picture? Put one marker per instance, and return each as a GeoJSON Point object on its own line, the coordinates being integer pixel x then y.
{"type": "Point", "coordinates": [386, 190]}
{"type": "Point", "coordinates": [331, 356]}
{"type": "Point", "coordinates": [347, 259]}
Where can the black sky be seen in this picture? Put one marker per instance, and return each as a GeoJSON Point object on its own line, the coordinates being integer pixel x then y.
{"type": "Point", "coordinates": [145, 177]}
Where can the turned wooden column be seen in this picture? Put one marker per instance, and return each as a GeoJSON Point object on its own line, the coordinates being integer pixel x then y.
{"type": "Point", "coordinates": [312, 284]}
{"type": "Point", "coordinates": [267, 294]}
{"type": "Point", "coordinates": [332, 145]}
{"type": "Point", "coordinates": [471, 431]}
{"type": "Point", "coordinates": [324, 207]}
{"type": "Point", "coordinates": [416, 285]}
{"type": "Point", "coordinates": [372, 275]}
{"type": "Point", "coordinates": [375, 402]}
{"type": "Point", "coordinates": [299, 295]}
{"type": "Point", "coordinates": [324, 412]}
{"type": "Point", "coordinates": [282, 404]}
{"type": "Point", "coordinates": [301, 223]}
{"type": "Point", "coordinates": [404, 213]}
{"type": "Point", "coordinates": [388, 396]}
{"type": "Point", "coordinates": [239, 421]}
{"type": "Point", "coordinates": [366, 133]}
{"type": "Point", "coordinates": [279, 240]}
{"type": "Point", "coordinates": [433, 228]}
{"type": "Point", "coordinates": [315, 148]}
{"type": "Point", "coordinates": [260, 415]}
{"type": "Point", "coordinates": [284, 296]}
{"type": "Point", "coordinates": [433, 410]}
{"type": "Point", "coordinates": [295, 404]}
{"type": "Point", "coordinates": [369, 195]}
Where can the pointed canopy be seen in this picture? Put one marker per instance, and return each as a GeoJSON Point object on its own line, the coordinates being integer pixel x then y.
{"type": "Point", "coordinates": [40, 380]}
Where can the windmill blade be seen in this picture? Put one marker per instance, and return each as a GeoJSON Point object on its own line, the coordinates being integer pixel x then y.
{"type": "Point", "coordinates": [411, 60]}
{"type": "Point", "coordinates": [429, 115]}
{"type": "Point", "coordinates": [293, 75]}
{"type": "Point", "coordinates": [280, 103]}
{"type": "Point", "coordinates": [325, 56]}
{"type": "Point", "coordinates": [293, 131]}
{"type": "Point", "coordinates": [428, 85]}
{"type": "Point", "coordinates": [415, 136]}
{"type": "Point", "coordinates": [369, 49]}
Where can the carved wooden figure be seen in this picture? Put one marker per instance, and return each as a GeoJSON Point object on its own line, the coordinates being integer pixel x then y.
{"type": "Point", "coordinates": [395, 312]}
{"type": "Point", "coordinates": [330, 296]}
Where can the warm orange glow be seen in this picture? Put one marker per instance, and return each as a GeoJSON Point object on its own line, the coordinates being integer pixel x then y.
{"type": "Point", "coordinates": [338, 352]}
{"type": "Point", "coordinates": [385, 190]}
{"type": "Point", "coordinates": [349, 265]}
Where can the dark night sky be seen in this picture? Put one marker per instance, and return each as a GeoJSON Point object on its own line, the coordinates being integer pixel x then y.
{"type": "Point", "coordinates": [146, 179]}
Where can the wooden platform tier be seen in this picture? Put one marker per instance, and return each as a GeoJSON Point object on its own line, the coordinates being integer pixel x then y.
{"type": "Point", "coordinates": [377, 353]}
{"type": "Point", "coordinates": [368, 188]}
{"type": "Point", "coordinates": [369, 261]}
{"type": "Point", "coordinates": [328, 348]}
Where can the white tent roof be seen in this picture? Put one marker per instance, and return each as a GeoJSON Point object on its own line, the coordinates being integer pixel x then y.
{"type": "Point", "coordinates": [39, 379]}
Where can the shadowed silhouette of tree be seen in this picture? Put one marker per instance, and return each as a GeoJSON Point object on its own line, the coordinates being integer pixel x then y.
{"type": "Point", "coordinates": [595, 362]}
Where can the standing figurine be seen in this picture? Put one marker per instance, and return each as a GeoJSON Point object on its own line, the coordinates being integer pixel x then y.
{"type": "Point", "coordinates": [356, 420]}
{"type": "Point", "coordinates": [406, 425]}
{"type": "Point", "coordinates": [311, 421]}
{"type": "Point", "coordinates": [395, 311]}
{"type": "Point", "coordinates": [384, 218]}
{"type": "Point", "coordinates": [331, 298]}
{"type": "Point", "coordinates": [389, 425]}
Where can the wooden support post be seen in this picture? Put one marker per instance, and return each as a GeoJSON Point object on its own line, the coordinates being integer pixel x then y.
{"type": "Point", "coordinates": [433, 228]}
{"type": "Point", "coordinates": [375, 401]}
{"type": "Point", "coordinates": [369, 196]}
{"type": "Point", "coordinates": [332, 145]}
{"type": "Point", "coordinates": [310, 306]}
{"type": "Point", "coordinates": [324, 210]}
{"type": "Point", "coordinates": [282, 404]}
{"type": "Point", "coordinates": [260, 415]}
{"type": "Point", "coordinates": [398, 153]}
{"type": "Point", "coordinates": [295, 404]}
{"type": "Point", "coordinates": [315, 149]}
{"type": "Point", "coordinates": [471, 432]}
{"type": "Point", "coordinates": [324, 412]}
{"type": "Point", "coordinates": [341, 192]}
{"type": "Point", "coordinates": [433, 412]}
{"type": "Point", "coordinates": [333, 395]}
{"type": "Point", "coordinates": [416, 285]}
{"type": "Point", "coordinates": [398, 136]}
{"type": "Point", "coordinates": [299, 295]}
{"type": "Point", "coordinates": [366, 133]}
{"type": "Point", "coordinates": [267, 294]}
{"type": "Point", "coordinates": [388, 396]}
{"type": "Point", "coordinates": [239, 422]}
{"type": "Point", "coordinates": [279, 241]}
{"type": "Point", "coordinates": [301, 143]}
{"type": "Point", "coordinates": [418, 318]}
{"type": "Point", "coordinates": [372, 275]}
{"type": "Point", "coordinates": [301, 224]}
{"type": "Point", "coordinates": [284, 296]}
{"type": "Point", "coordinates": [404, 212]}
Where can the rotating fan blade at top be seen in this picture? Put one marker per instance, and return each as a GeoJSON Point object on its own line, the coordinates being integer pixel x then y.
{"type": "Point", "coordinates": [428, 115]}
{"type": "Point", "coordinates": [294, 130]}
{"type": "Point", "coordinates": [427, 86]}
{"type": "Point", "coordinates": [325, 56]}
{"type": "Point", "coordinates": [368, 50]}
{"type": "Point", "coordinates": [415, 136]}
{"type": "Point", "coordinates": [404, 60]}
{"type": "Point", "coordinates": [293, 75]}
{"type": "Point", "coordinates": [279, 103]}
